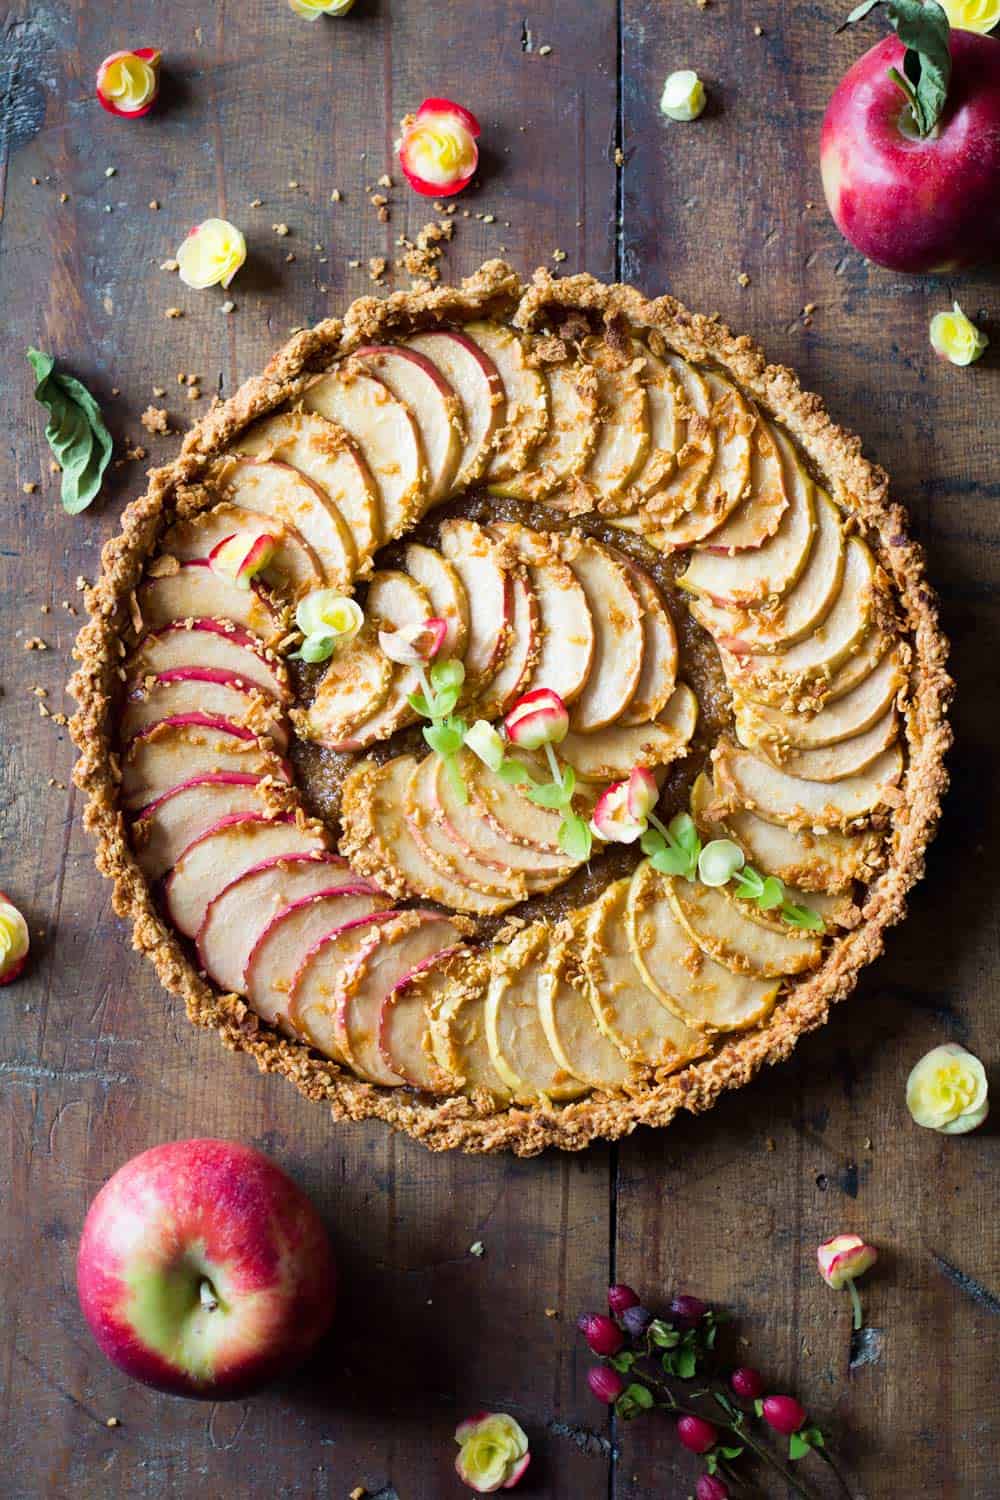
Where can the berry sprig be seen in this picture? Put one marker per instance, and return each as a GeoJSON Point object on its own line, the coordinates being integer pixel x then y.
{"type": "Point", "coordinates": [643, 1357]}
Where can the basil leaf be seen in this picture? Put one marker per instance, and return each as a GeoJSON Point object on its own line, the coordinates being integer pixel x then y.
{"type": "Point", "coordinates": [80, 442]}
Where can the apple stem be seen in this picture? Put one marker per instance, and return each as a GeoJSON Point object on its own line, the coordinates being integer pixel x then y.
{"type": "Point", "coordinates": [206, 1295]}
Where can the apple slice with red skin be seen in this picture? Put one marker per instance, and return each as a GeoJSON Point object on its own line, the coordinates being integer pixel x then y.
{"type": "Point", "coordinates": [658, 677]}
{"type": "Point", "coordinates": [619, 640]}
{"type": "Point", "coordinates": [315, 988]}
{"type": "Point", "coordinates": [209, 692]}
{"type": "Point", "coordinates": [387, 434]}
{"type": "Point", "coordinates": [486, 579]}
{"type": "Point", "coordinates": [294, 569]}
{"type": "Point", "coordinates": [404, 1033]}
{"type": "Point", "coordinates": [353, 688]}
{"type": "Point", "coordinates": [466, 828]}
{"type": "Point", "coordinates": [394, 600]}
{"type": "Point", "coordinates": [565, 451]}
{"type": "Point", "coordinates": [276, 956]}
{"type": "Point", "coordinates": [446, 592]}
{"type": "Point", "coordinates": [508, 811]}
{"type": "Point", "coordinates": [397, 948]}
{"type": "Point", "coordinates": [755, 521]}
{"type": "Point", "coordinates": [523, 653]}
{"type": "Point", "coordinates": [476, 382]}
{"type": "Point", "coordinates": [163, 829]}
{"type": "Point", "coordinates": [733, 420]}
{"type": "Point", "coordinates": [217, 857]}
{"type": "Point", "coordinates": [164, 756]}
{"type": "Point", "coordinates": [211, 643]}
{"type": "Point", "coordinates": [418, 383]}
{"type": "Point", "coordinates": [328, 456]}
{"type": "Point", "coordinates": [430, 834]}
{"type": "Point", "coordinates": [286, 497]}
{"type": "Point", "coordinates": [610, 753]}
{"type": "Point", "coordinates": [623, 441]}
{"type": "Point", "coordinates": [16, 968]}
{"type": "Point", "coordinates": [195, 591]}
{"type": "Point", "coordinates": [566, 627]}
{"type": "Point", "coordinates": [204, 1271]}
{"type": "Point", "coordinates": [527, 393]}
{"type": "Point", "coordinates": [237, 916]}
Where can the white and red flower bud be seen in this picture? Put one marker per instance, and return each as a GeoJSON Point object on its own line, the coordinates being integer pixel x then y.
{"type": "Point", "coordinates": [643, 792]}
{"type": "Point", "coordinates": [414, 645]}
{"type": "Point", "coordinates": [15, 941]}
{"type": "Point", "coordinates": [493, 1452]}
{"type": "Point", "coordinates": [241, 556]}
{"type": "Point", "coordinates": [539, 718]}
{"type": "Point", "coordinates": [437, 150]}
{"type": "Point", "coordinates": [128, 82]}
{"type": "Point", "coordinates": [843, 1259]}
{"type": "Point", "coordinates": [612, 820]}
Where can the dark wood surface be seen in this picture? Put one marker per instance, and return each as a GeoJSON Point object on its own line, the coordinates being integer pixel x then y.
{"type": "Point", "coordinates": [97, 1063]}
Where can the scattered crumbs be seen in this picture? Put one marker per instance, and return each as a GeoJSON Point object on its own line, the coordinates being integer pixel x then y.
{"type": "Point", "coordinates": [55, 468]}
{"type": "Point", "coordinates": [703, 4]}
{"type": "Point", "coordinates": [868, 1143]}
{"type": "Point", "coordinates": [110, 171]}
{"type": "Point", "coordinates": [758, 31]}
{"type": "Point", "coordinates": [155, 419]}
{"type": "Point", "coordinates": [154, 204]}
{"type": "Point", "coordinates": [228, 307]}
{"type": "Point", "coordinates": [170, 265]}
{"type": "Point", "coordinates": [743, 279]}
{"type": "Point", "coordinates": [293, 183]}
{"type": "Point", "coordinates": [107, 208]}
{"type": "Point", "coordinates": [35, 181]}
{"type": "Point", "coordinates": [336, 196]}
{"type": "Point", "coordinates": [809, 309]}
{"type": "Point", "coordinates": [61, 787]}
{"type": "Point", "coordinates": [113, 1422]}
{"type": "Point", "coordinates": [194, 392]}
{"type": "Point", "coordinates": [256, 202]}
{"type": "Point", "coordinates": [46, 609]}
{"type": "Point", "coordinates": [40, 692]}
{"type": "Point", "coordinates": [81, 583]}
{"type": "Point", "coordinates": [478, 1249]}
{"type": "Point", "coordinates": [159, 390]}
{"type": "Point", "coordinates": [489, 218]}
{"type": "Point", "coordinates": [35, 643]}
{"type": "Point", "coordinates": [559, 256]}
{"type": "Point", "coordinates": [376, 267]}
{"type": "Point", "coordinates": [552, 1312]}
{"type": "Point", "coordinates": [64, 197]}
{"type": "Point", "coordinates": [619, 157]}
{"type": "Point", "coordinates": [358, 1493]}
{"type": "Point", "coordinates": [354, 264]}
{"type": "Point", "coordinates": [133, 452]}
{"type": "Point", "coordinates": [174, 312]}
{"type": "Point", "coordinates": [384, 181]}
{"type": "Point", "coordinates": [30, 487]}
{"type": "Point", "coordinates": [290, 256]}
{"type": "Point", "coordinates": [544, 51]}
{"type": "Point", "coordinates": [281, 229]}
{"type": "Point", "coordinates": [116, 390]}
{"type": "Point", "coordinates": [770, 1144]}
{"type": "Point", "coordinates": [810, 203]}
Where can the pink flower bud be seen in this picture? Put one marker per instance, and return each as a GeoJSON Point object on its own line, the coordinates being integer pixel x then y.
{"type": "Point", "coordinates": [696, 1434]}
{"type": "Point", "coordinates": [843, 1258]}
{"type": "Point", "coordinates": [783, 1413]}
{"type": "Point", "coordinates": [241, 556]}
{"type": "Point", "coordinates": [416, 644]}
{"type": "Point", "coordinates": [612, 820]}
{"type": "Point", "coordinates": [539, 718]}
{"type": "Point", "coordinates": [15, 940]}
{"type": "Point", "coordinates": [128, 82]}
{"type": "Point", "coordinates": [603, 1335]}
{"type": "Point", "coordinates": [747, 1383]}
{"type": "Point", "coordinates": [437, 150]}
{"type": "Point", "coordinates": [643, 793]}
{"type": "Point", "coordinates": [621, 1298]}
{"type": "Point", "coordinates": [605, 1383]}
{"type": "Point", "coordinates": [711, 1487]}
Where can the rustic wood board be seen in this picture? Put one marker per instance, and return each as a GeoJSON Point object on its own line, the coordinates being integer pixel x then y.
{"type": "Point", "coordinates": [96, 1062]}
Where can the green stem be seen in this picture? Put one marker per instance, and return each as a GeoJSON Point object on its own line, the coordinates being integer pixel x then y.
{"type": "Point", "coordinates": [829, 1459]}
{"type": "Point", "coordinates": [652, 818]}
{"type": "Point", "coordinates": [554, 770]}
{"type": "Point", "coordinates": [859, 1316]}
{"type": "Point", "coordinates": [429, 693]}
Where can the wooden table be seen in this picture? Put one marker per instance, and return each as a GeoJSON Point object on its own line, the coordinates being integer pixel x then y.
{"type": "Point", "coordinates": [262, 116]}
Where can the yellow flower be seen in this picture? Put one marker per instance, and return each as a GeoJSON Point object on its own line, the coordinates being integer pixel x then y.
{"type": "Point", "coordinates": [128, 82]}
{"type": "Point", "coordinates": [14, 940]}
{"type": "Point", "coordinates": [947, 1090]}
{"type": "Point", "coordinates": [955, 337]}
{"type": "Point", "coordinates": [212, 254]}
{"type": "Point", "coordinates": [683, 95]}
{"type": "Point", "coordinates": [327, 620]}
{"type": "Point", "coordinates": [972, 15]}
{"type": "Point", "coordinates": [493, 1452]}
{"type": "Point", "coordinates": [313, 9]}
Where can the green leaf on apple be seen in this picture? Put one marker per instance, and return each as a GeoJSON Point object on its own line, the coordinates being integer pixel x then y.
{"type": "Point", "coordinates": [923, 28]}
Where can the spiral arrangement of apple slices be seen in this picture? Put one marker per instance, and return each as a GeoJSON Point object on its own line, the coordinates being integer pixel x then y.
{"type": "Point", "coordinates": [644, 978]}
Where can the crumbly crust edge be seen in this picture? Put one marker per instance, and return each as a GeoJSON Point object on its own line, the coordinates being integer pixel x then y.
{"type": "Point", "coordinates": [861, 488]}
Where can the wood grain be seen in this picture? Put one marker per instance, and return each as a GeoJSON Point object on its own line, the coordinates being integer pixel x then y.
{"type": "Point", "coordinates": [95, 1061]}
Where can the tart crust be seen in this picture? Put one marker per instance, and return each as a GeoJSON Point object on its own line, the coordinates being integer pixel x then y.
{"type": "Point", "coordinates": [481, 1123]}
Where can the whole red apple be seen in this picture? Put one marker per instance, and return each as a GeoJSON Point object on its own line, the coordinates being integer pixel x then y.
{"type": "Point", "coordinates": [204, 1271]}
{"type": "Point", "coordinates": [913, 204]}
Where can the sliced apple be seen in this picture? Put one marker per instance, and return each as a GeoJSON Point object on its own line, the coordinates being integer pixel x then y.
{"type": "Point", "coordinates": [725, 929]}
{"type": "Point", "coordinates": [619, 641]}
{"type": "Point", "coordinates": [195, 591]}
{"type": "Point", "coordinates": [568, 446]}
{"type": "Point", "coordinates": [479, 563]}
{"type": "Point", "coordinates": [353, 688]}
{"type": "Point", "coordinates": [399, 947]}
{"type": "Point", "coordinates": [626, 1010]}
{"type": "Point", "coordinates": [284, 495]}
{"type": "Point", "coordinates": [514, 1033]}
{"type": "Point", "coordinates": [404, 1027]}
{"type": "Point", "coordinates": [704, 994]}
{"type": "Point", "coordinates": [236, 917]}
{"type": "Point", "coordinates": [623, 441]}
{"type": "Point", "coordinates": [327, 455]}
{"type": "Point", "coordinates": [162, 757]}
{"type": "Point", "coordinates": [835, 762]}
{"type": "Point", "coordinates": [207, 691]}
{"type": "Point", "coordinates": [659, 657]}
{"type": "Point", "coordinates": [523, 653]}
{"type": "Point", "coordinates": [211, 645]}
{"type": "Point", "coordinates": [430, 832]}
{"type": "Point", "coordinates": [666, 421]}
{"type": "Point", "coordinates": [385, 431]}
{"type": "Point", "coordinates": [754, 575]}
{"type": "Point", "coordinates": [444, 588]}
{"type": "Point", "coordinates": [757, 519]}
{"type": "Point", "coordinates": [419, 384]}
{"type": "Point", "coordinates": [294, 566]}
{"type": "Point", "coordinates": [163, 829]}
{"type": "Point", "coordinates": [526, 419]}
{"type": "Point", "coordinates": [853, 714]}
{"type": "Point", "coordinates": [476, 381]}
{"type": "Point", "coordinates": [566, 627]}
{"type": "Point", "coordinates": [465, 827]}
{"type": "Point", "coordinates": [276, 956]}
{"type": "Point", "coordinates": [812, 863]}
{"type": "Point", "coordinates": [377, 840]}
{"type": "Point", "coordinates": [316, 986]}
{"type": "Point", "coordinates": [678, 490]}
{"type": "Point", "coordinates": [507, 810]}
{"type": "Point", "coordinates": [578, 1044]}
{"type": "Point", "coordinates": [394, 600]}
{"type": "Point", "coordinates": [458, 1027]}
{"type": "Point", "coordinates": [746, 780]}
{"type": "Point", "coordinates": [609, 754]}
{"type": "Point", "coordinates": [733, 420]}
{"type": "Point", "coordinates": [221, 854]}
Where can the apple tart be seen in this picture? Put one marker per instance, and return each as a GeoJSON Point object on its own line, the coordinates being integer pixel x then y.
{"type": "Point", "coordinates": [614, 518]}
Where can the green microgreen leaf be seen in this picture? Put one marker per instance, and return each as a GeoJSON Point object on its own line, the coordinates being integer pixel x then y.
{"type": "Point", "coordinates": [797, 1446]}
{"type": "Point", "coordinates": [447, 675]}
{"type": "Point", "coordinates": [454, 774]}
{"type": "Point", "coordinates": [75, 431]}
{"type": "Point", "coordinates": [686, 1363]}
{"type": "Point", "coordinates": [758, 1406]}
{"type": "Point", "coordinates": [622, 1362]}
{"type": "Point", "coordinates": [552, 794]}
{"type": "Point", "coordinates": [418, 702]}
{"type": "Point", "coordinates": [515, 773]}
{"type": "Point", "coordinates": [315, 648]}
{"type": "Point", "coordinates": [772, 894]}
{"type": "Point", "coordinates": [445, 736]}
{"type": "Point", "coordinates": [749, 884]}
{"type": "Point", "coordinates": [802, 916]}
{"type": "Point", "coordinates": [662, 1335]}
{"type": "Point", "coordinates": [730, 1452]}
{"type": "Point", "coordinates": [639, 1394]}
{"type": "Point", "coordinates": [575, 838]}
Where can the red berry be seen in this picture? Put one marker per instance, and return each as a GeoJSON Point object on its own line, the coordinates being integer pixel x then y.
{"type": "Point", "coordinates": [621, 1298]}
{"type": "Point", "coordinates": [606, 1384]}
{"type": "Point", "coordinates": [696, 1434]}
{"type": "Point", "coordinates": [747, 1383]}
{"type": "Point", "coordinates": [687, 1312]}
{"type": "Point", "coordinates": [783, 1413]}
{"type": "Point", "coordinates": [603, 1336]}
{"type": "Point", "coordinates": [711, 1487]}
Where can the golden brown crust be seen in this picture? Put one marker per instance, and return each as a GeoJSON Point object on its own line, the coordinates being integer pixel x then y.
{"type": "Point", "coordinates": [860, 488]}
